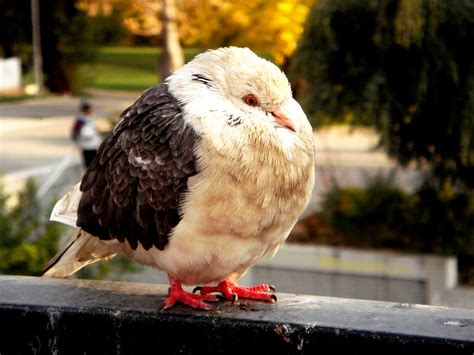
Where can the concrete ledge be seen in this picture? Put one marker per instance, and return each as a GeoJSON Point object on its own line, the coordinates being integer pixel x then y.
{"type": "Point", "coordinates": [354, 261]}
{"type": "Point", "coordinates": [363, 274]}
{"type": "Point", "coordinates": [45, 316]}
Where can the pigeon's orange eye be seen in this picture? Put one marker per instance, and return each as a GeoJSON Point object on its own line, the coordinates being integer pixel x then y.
{"type": "Point", "coordinates": [251, 100]}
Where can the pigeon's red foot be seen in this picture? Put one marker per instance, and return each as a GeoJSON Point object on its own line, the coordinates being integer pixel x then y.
{"type": "Point", "coordinates": [231, 291]}
{"type": "Point", "coordinates": [177, 294]}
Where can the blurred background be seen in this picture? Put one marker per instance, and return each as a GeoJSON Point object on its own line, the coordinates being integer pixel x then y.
{"type": "Point", "coordinates": [388, 86]}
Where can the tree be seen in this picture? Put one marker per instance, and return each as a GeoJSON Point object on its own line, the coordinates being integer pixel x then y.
{"type": "Point", "coordinates": [16, 25]}
{"type": "Point", "coordinates": [145, 18]}
{"type": "Point", "coordinates": [66, 41]}
{"type": "Point", "coordinates": [404, 66]}
{"type": "Point", "coordinates": [68, 36]}
{"type": "Point", "coordinates": [271, 27]}
{"type": "Point", "coordinates": [171, 57]}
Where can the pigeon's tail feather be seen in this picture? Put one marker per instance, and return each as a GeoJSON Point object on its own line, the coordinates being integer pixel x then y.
{"type": "Point", "coordinates": [65, 210]}
{"type": "Point", "coordinates": [82, 250]}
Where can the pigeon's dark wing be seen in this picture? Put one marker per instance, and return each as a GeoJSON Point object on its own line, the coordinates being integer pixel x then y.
{"type": "Point", "coordinates": [133, 188]}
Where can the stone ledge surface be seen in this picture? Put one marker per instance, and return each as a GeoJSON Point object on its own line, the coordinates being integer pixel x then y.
{"type": "Point", "coordinates": [44, 316]}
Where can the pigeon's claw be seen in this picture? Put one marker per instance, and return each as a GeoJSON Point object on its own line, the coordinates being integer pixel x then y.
{"type": "Point", "coordinates": [232, 291]}
{"type": "Point", "coordinates": [177, 294]}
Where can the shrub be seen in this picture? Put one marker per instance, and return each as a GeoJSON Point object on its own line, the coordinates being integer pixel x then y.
{"type": "Point", "coordinates": [430, 220]}
{"type": "Point", "coordinates": [369, 217]}
{"type": "Point", "coordinates": [27, 241]}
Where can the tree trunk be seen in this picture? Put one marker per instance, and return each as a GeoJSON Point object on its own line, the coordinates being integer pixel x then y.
{"type": "Point", "coordinates": [54, 65]}
{"type": "Point", "coordinates": [37, 56]}
{"type": "Point", "coordinates": [171, 57]}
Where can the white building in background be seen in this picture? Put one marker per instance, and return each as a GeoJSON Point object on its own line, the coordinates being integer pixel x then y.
{"type": "Point", "coordinates": [10, 74]}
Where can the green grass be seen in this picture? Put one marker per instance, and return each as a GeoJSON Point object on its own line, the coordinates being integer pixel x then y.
{"type": "Point", "coordinates": [7, 99]}
{"type": "Point", "coordinates": [125, 68]}
{"type": "Point", "coordinates": [117, 77]}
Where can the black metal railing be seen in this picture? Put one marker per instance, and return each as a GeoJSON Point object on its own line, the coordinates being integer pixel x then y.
{"type": "Point", "coordinates": [45, 316]}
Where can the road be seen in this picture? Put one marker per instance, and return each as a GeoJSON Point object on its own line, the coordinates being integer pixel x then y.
{"type": "Point", "coordinates": [34, 138]}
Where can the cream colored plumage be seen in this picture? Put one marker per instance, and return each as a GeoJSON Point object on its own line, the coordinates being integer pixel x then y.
{"type": "Point", "coordinates": [255, 173]}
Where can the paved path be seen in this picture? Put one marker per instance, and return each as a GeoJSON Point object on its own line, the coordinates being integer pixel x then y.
{"type": "Point", "coordinates": [35, 135]}
{"type": "Point", "coordinates": [105, 103]}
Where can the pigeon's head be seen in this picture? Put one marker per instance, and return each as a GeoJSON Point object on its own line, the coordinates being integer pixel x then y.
{"type": "Point", "coordinates": [232, 93]}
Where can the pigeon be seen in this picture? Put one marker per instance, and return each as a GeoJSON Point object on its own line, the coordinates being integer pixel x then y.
{"type": "Point", "coordinates": [201, 177]}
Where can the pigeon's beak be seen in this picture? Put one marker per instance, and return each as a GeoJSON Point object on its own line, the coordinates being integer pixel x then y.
{"type": "Point", "coordinates": [282, 120]}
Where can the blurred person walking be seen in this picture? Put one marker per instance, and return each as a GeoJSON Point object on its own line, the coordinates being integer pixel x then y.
{"type": "Point", "coordinates": [84, 133]}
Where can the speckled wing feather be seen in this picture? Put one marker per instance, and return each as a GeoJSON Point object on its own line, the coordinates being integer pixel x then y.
{"type": "Point", "coordinates": [133, 189]}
